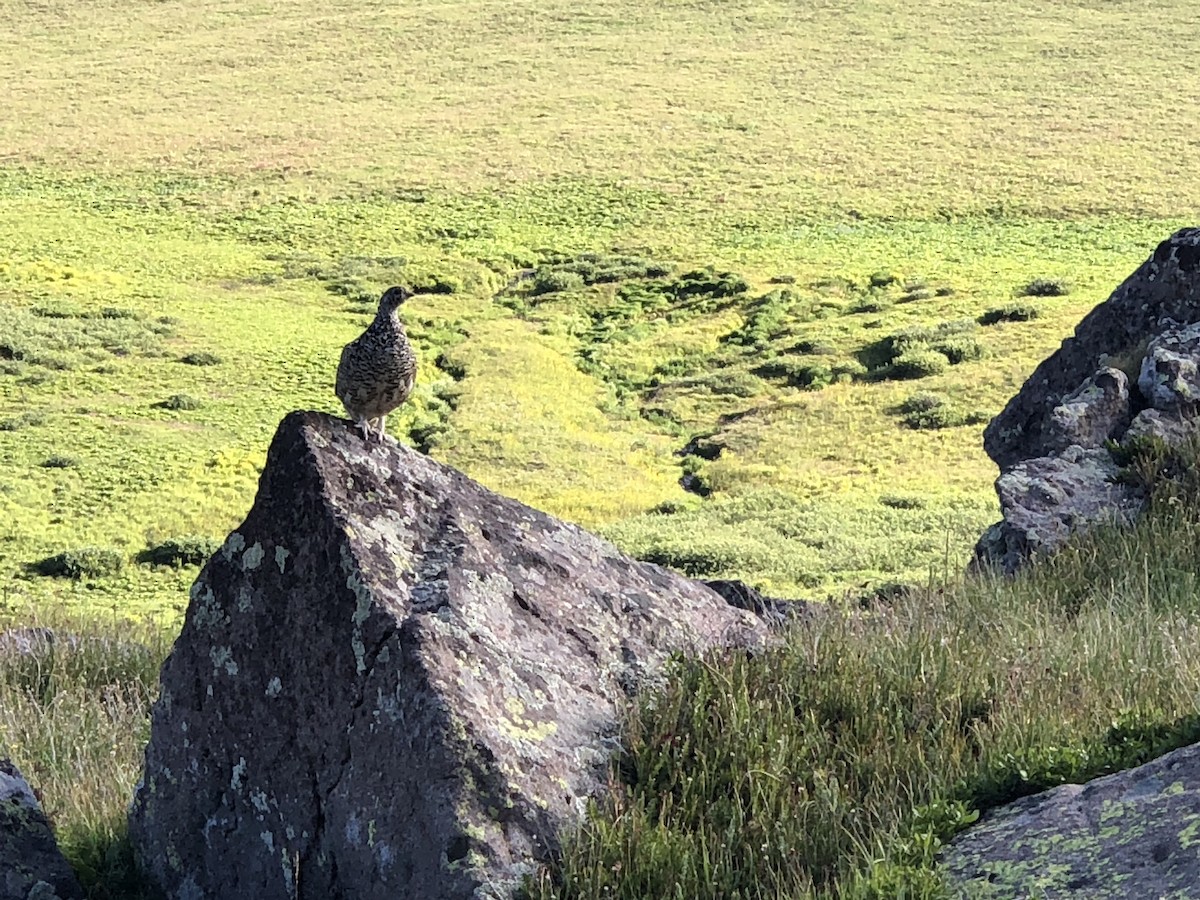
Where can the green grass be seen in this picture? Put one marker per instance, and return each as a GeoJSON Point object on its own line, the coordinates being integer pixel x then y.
{"type": "Point", "coordinates": [631, 225]}
{"type": "Point", "coordinates": [837, 764]}
{"type": "Point", "coordinates": [74, 716]}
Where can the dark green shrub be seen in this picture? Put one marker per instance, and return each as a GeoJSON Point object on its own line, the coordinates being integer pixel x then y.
{"type": "Point", "coordinates": [814, 348]}
{"type": "Point", "coordinates": [931, 411]}
{"type": "Point", "coordinates": [179, 402]}
{"type": "Point", "coordinates": [848, 370]}
{"type": "Point", "coordinates": [59, 462]}
{"type": "Point", "coordinates": [25, 420]}
{"type": "Point", "coordinates": [797, 373]}
{"type": "Point", "coordinates": [783, 279]}
{"type": "Point", "coordinates": [881, 279]}
{"type": "Point", "coordinates": [959, 348]}
{"type": "Point", "coordinates": [452, 367]}
{"type": "Point", "coordinates": [907, 352]}
{"type": "Point", "coordinates": [1013, 312]}
{"type": "Point", "coordinates": [697, 561]}
{"type": "Point", "coordinates": [84, 562]}
{"type": "Point", "coordinates": [922, 402]}
{"type": "Point", "coordinates": [902, 501]}
{"type": "Point", "coordinates": [435, 284]}
{"type": "Point", "coordinates": [201, 358]}
{"type": "Point", "coordinates": [733, 384]}
{"type": "Point", "coordinates": [113, 312]}
{"type": "Point", "coordinates": [1046, 287]}
{"type": "Point", "coordinates": [675, 506]}
{"type": "Point", "coordinates": [709, 283]}
{"type": "Point", "coordinates": [56, 312]}
{"type": "Point", "coordinates": [870, 305]}
{"type": "Point", "coordinates": [766, 318]}
{"type": "Point", "coordinates": [919, 364]}
{"type": "Point", "coordinates": [189, 550]}
{"type": "Point", "coordinates": [552, 281]}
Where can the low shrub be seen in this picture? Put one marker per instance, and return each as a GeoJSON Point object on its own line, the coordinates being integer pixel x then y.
{"type": "Point", "coordinates": [179, 402]}
{"type": "Point", "coordinates": [553, 281]}
{"type": "Point", "coordinates": [959, 348]}
{"type": "Point", "coordinates": [919, 364]}
{"type": "Point", "coordinates": [83, 562]}
{"type": "Point", "coordinates": [1046, 287]}
{"type": "Point", "coordinates": [814, 348]}
{"type": "Point", "coordinates": [848, 370]}
{"type": "Point", "coordinates": [927, 410]}
{"type": "Point", "coordinates": [59, 462]}
{"type": "Point", "coordinates": [870, 305]}
{"type": "Point", "coordinates": [25, 420]}
{"type": "Point", "coordinates": [733, 384]}
{"type": "Point", "coordinates": [189, 550]}
{"type": "Point", "coordinates": [902, 501]}
{"type": "Point", "coordinates": [798, 373]}
{"type": "Point", "coordinates": [1013, 312]}
{"type": "Point", "coordinates": [201, 358]}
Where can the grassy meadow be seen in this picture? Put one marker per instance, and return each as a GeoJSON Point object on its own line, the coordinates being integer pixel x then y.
{"type": "Point", "coordinates": [818, 244]}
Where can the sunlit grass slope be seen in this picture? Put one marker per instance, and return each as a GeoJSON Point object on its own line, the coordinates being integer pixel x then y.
{"type": "Point", "coordinates": [200, 202]}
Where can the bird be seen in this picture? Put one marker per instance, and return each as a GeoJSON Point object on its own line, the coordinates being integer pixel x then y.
{"type": "Point", "coordinates": [378, 368]}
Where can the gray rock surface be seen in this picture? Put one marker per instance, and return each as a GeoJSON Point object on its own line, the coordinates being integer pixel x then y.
{"type": "Point", "coordinates": [1096, 411]}
{"type": "Point", "coordinates": [1166, 286]}
{"type": "Point", "coordinates": [1127, 836]}
{"type": "Point", "coordinates": [1173, 427]}
{"type": "Point", "coordinates": [774, 611]}
{"type": "Point", "coordinates": [1050, 440]}
{"type": "Point", "coordinates": [392, 682]}
{"type": "Point", "coordinates": [1047, 499]}
{"type": "Point", "coordinates": [31, 866]}
{"type": "Point", "coordinates": [1170, 374]}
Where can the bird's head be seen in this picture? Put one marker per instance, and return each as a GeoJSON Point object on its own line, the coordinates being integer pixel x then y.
{"type": "Point", "coordinates": [392, 298]}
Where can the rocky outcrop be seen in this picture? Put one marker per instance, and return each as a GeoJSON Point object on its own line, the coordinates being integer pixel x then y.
{"type": "Point", "coordinates": [774, 611]}
{"type": "Point", "coordinates": [1132, 834]}
{"type": "Point", "coordinates": [31, 866]}
{"type": "Point", "coordinates": [1050, 440]}
{"type": "Point", "coordinates": [392, 682]}
{"type": "Point", "coordinates": [1164, 288]}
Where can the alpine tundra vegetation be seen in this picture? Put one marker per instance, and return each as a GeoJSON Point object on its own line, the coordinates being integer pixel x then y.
{"type": "Point", "coordinates": [736, 286]}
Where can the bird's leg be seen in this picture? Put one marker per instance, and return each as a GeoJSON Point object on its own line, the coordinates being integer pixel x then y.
{"type": "Point", "coordinates": [364, 428]}
{"type": "Point", "coordinates": [382, 428]}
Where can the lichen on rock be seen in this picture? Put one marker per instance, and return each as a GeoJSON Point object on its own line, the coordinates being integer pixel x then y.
{"type": "Point", "coordinates": [421, 694]}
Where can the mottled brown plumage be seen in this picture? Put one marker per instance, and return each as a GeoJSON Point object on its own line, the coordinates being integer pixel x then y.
{"type": "Point", "coordinates": [378, 368]}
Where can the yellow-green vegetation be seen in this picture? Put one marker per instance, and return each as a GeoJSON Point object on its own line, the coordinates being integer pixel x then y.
{"type": "Point", "coordinates": [75, 700]}
{"type": "Point", "coordinates": [839, 764]}
{"type": "Point", "coordinates": [818, 243]}
{"type": "Point", "coordinates": [200, 202]}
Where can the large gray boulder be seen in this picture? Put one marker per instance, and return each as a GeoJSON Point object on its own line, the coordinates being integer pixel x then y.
{"type": "Point", "coordinates": [1046, 499]}
{"type": "Point", "coordinates": [1095, 412]}
{"type": "Point", "coordinates": [1166, 287]}
{"type": "Point", "coordinates": [392, 682]}
{"type": "Point", "coordinates": [31, 866]}
{"type": "Point", "coordinates": [1051, 441]}
{"type": "Point", "coordinates": [1169, 378]}
{"type": "Point", "coordinates": [1130, 835]}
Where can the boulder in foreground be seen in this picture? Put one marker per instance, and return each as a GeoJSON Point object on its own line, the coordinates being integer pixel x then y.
{"type": "Point", "coordinates": [1132, 834]}
{"type": "Point", "coordinates": [1129, 371]}
{"type": "Point", "coordinates": [31, 866]}
{"type": "Point", "coordinates": [392, 682]}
